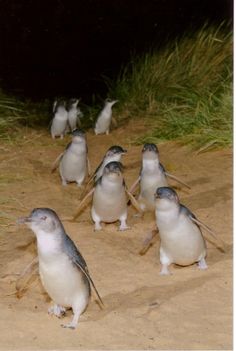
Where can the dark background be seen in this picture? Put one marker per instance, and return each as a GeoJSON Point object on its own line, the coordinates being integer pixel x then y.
{"type": "Point", "coordinates": [55, 47]}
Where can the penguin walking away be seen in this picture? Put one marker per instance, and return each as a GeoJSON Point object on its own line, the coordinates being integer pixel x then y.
{"type": "Point", "coordinates": [74, 114]}
{"type": "Point", "coordinates": [60, 119]}
{"type": "Point", "coordinates": [62, 268]}
{"type": "Point", "coordinates": [104, 119]}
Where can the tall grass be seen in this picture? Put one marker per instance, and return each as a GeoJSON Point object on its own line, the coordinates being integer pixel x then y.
{"type": "Point", "coordinates": [15, 112]}
{"type": "Point", "coordinates": [183, 92]}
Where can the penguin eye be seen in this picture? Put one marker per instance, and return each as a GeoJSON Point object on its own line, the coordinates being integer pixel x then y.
{"type": "Point", "coordinates": [43, 218]}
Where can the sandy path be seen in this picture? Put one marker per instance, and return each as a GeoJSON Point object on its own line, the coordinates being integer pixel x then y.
{"type": "Point", "coordinates": [190, 309]}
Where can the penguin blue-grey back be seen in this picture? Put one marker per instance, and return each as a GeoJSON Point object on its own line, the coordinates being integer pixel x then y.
{"type": "Point", "coordinates": [62, 268]}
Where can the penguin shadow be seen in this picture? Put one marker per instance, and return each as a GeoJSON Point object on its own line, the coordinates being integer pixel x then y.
{"type": "Point", "coordinates": [206, 199]}
{"type": "Point", "coordinates": [217, 254]}
{"type": "Point", "coordinates": [38, 166]}
{"type": "Point", "coordinates": [144, 300]}
{"type": "Point", "coordinates": [200, 180]}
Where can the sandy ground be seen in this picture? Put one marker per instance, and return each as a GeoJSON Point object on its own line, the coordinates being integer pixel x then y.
{"type": "Point", "coordinates": [190, 309]}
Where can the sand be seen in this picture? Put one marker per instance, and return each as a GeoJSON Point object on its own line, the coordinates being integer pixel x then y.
{"type": "Point", "coordinates": [190, 309]}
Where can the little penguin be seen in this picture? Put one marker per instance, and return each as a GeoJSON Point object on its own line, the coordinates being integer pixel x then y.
{"type": "Point", "coordinates": [152, 176]}
{"type": "Point", "coordinates": [73, 162]}
{"type": "Point", "coordinates": [104, 119]}
{"type": "Point", "coordinates": [62, 268]}
{"type": "Point", "coordinates": [114, 153]}
{"type": "Point", "coordinates": [109, 198]}
{"type": "Point", "coordinates": [60, 119]}
{"type": "Point", "coordinates": [182, 242]}
{"type": "Point", "coordinates": [74, 114]}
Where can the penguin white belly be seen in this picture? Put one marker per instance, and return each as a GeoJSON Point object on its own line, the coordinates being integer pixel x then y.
{"type": "Point", "coordinates": [182, 241]}
{"type": "Point", "coordinates": [73, 167]}
{"type": "Point", "coordinates": [72, 118]}
{"type": "Point", "coordinates": [148, 187]}
{"type": "Point", "coordinates": [58, 125]}
{"type": "Point", "coordinates": [109, 206]}
{"type": "Point", "coordinates": [62, 281]}
{"type": "Point", "coordinates": [102, 124]}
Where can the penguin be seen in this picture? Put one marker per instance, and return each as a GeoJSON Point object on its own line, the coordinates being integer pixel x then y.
{"type": "Point", "coordinates": [73, 162]}
{"type": "Point", "coordinates": [74, 114]}
{"type": "Point", "coordinates": [152, 176]}
{"type": "Point", "coordinates": [114, 153]}
{"type": "Point", "coordinates": [104, 119]}
{"type": "Point", "coordinates": [62, 268]}
{"type": "Point", "coordinates": [109, 203]}
{"type": "Point", "coordinates": [182, 242]}
{"type": "Point", "coordinates": [60, 119]}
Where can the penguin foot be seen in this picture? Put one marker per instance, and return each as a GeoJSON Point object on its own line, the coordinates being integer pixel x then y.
{"type": "Point", "coordinates": [123, 227]}
{"type": "Point", "coordinates": [97, 227]}
{"type": "Point", "coordinates": [57, 311]}
{"type": "Point", "coordinates": [69, 325]}
{"type": "Point", "coordinates": [202, 264]}
{"type": "Point", "coordinates": [165, 270]}
{"type": "Point", "coordinates": [73, 324]}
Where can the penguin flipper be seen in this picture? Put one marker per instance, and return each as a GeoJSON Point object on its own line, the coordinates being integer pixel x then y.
{"type": "Point", "coordinates": [148, 241]}
{"type": "Point", "coordinates": [85, 271]}
{"type": "Point", "coordinates": [82, 203]}
{"type": "Point", "coordinates": [25, 276]}
{"type": "Point", "coordinates": [56, 162]}
{"type": "Point", "coordinates": [79, 261]}
{"type": "Point", "coordinates": [199, 223]}
{"type": "Point", "coordinates": [134, 185]}
{"type": "Point", "coordinates": [89, 166]}
{"type": "Point", "coordinates": [133, 201]}
{"type": "Point", "coordinates": [177, 179]}
{"type": "Point", "coordinates": [209, 230]}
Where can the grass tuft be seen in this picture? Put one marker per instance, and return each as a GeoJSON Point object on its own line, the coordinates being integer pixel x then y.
{"type": "Point", "coordinates": [183, 92]}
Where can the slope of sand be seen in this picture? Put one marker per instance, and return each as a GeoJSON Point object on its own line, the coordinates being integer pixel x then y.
{"type": "Point", "coordinates": [190, 309]}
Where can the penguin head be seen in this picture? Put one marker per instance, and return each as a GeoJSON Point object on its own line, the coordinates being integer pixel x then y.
{"type": "Point", "coordinates": [150, 151]}
{"type": "Point", "coordinates": [166, 197]}
{"type": "Point", "coordinates": [78, 135]}
{"type": "Point", "coordinates": [72, 103]}
{"type": "Point", "coordinates": [110, 102]}
{"type": "Point", "coordinates": [113, 169]}
{"type": "Point", "coordinates": [59, 105]}
{"type": "Point", "coordinates": [42, 219]}
{"type": "Point", "coordinates": [115, 150]}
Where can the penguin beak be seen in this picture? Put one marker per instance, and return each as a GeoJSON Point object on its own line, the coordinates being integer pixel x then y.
{"type": "Point", "coordinates": [23, 220]}
{"type": "Point", "coordinates": [124, 152]}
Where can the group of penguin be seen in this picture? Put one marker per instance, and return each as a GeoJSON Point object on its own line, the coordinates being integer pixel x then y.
{"type": "Point", "coordinates": [67, 115]}
{"type": "Point", "coordinates": [63, 270]}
